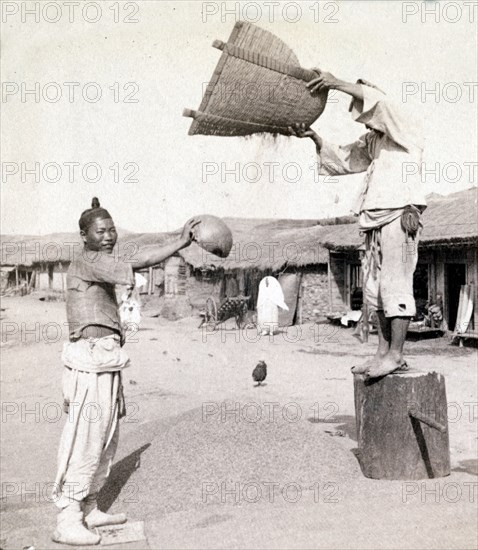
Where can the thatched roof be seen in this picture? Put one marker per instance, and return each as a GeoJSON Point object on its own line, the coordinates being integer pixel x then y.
{"type": "Point", "coordinates": [30, 250]}
{"type": "Point", "coordinates": [452, 219]}
{"type": "Point", "coordinates": [343, 237]}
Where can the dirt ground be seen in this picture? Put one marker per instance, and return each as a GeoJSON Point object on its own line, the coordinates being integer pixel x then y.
{"type": "Point", "coordinates": [208, 460]}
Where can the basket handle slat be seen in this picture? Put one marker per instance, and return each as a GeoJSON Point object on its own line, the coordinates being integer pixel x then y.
{"type": "Point", "coordinates": [189, 113]}
{"type": "Point", "coordinates": [219, 44]}
{"type": "Point", "coordinates": [270, 63]}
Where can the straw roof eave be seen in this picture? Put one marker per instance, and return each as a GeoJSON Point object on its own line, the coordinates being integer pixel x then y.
{"type": "Point", "coordinates": [453, 241]}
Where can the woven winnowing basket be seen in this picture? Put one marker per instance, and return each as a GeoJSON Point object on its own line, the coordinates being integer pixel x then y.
{"type": "Point", "coordinates": [257, 86]}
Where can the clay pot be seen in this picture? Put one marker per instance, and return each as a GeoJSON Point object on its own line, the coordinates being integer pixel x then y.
{"type": "Point", "coordinates": [213, 235]}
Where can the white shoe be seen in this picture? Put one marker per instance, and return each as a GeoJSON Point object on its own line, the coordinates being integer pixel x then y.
{"type": "Point", "coordinates": [97, 518]}
{"type": "Point", "coordinates": [70, 528]}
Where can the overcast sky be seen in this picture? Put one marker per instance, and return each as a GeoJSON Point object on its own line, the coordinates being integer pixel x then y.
{"type": "Point", "coordinates": [166, 57]}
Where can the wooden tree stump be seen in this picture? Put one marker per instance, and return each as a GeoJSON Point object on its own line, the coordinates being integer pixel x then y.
{"type": "Point", "coordinates": [402, 427]}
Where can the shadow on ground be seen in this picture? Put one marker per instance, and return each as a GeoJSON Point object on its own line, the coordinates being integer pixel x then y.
{"type": "Point", "coordinates": [119, 476]}
{"type": "Point", "coordinates": [343, 422]}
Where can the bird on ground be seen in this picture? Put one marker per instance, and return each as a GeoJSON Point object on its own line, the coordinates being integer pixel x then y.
{"type": "Point", "coordinates": [259, 373]}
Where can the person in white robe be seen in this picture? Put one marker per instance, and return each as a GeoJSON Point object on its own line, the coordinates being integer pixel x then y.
{"type": "Point", "coordinates": [270, 299]}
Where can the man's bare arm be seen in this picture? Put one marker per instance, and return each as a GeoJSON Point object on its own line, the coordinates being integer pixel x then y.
{"type": "Point", "coordinates": [327, 81]}
{"type": "Point", "coordinates": [155, 254]}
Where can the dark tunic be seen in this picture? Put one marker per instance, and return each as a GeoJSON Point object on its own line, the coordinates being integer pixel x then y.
{"type": "Point", "coordinates": [91, 298]}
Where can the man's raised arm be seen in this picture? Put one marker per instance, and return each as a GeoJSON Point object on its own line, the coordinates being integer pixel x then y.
{"type": "Point", "coordinates": [155, 254]}
{"type": "Point", "coordinates": [327, 81]}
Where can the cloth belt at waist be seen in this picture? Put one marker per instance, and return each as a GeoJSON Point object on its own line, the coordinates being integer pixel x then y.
{"type": "Point", "coordinates": [95, 354]}
{"type": "Point", "coordinates": [97, 331]}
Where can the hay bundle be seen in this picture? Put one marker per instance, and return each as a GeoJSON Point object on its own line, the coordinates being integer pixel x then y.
{"type": "Point", "coordinates": [257, 86]}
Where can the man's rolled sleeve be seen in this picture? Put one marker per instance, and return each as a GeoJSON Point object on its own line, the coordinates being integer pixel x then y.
{"type": "Point", "coordinates": [339, 160]}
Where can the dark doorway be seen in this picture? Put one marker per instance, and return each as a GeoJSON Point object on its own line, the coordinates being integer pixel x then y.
{"type": "Point", "coordinates": [455, 278]}
{"type": "Point", "coordinates": [420, 290]}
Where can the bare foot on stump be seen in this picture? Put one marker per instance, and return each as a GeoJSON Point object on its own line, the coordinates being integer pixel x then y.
{"type": "Point", "coordinates": [386, 365]}
{"type": "Point", "coordinates": [364, 367]}
{"type": "Point", "coordinates": [369, 363]}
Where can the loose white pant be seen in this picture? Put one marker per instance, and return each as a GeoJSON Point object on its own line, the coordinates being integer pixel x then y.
{"type": "Point", "coordinates": [90, 437]}
{"type": "Point", "coordinates": [388, 280]}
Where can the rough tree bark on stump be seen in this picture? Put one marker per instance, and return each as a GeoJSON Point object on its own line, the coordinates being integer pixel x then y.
{"type": "Point", "coordinates": [402, 428]}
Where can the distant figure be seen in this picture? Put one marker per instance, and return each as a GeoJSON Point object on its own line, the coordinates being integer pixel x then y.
{"type": "Point", "coordinates": [129, 311]}
{"type": "Point", "coordinates": [435, 317]}
{"type": "Point", "coordinates": [259, 373]}
{"type": "Point", "coordinates": [269, 300]}
{"type": "Point", "coordinates": [130, 307]}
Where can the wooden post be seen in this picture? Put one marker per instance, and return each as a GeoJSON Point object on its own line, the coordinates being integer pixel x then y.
{"type": "Point", "coordinates": [402, 428]}
{"type": "Point", "coordinates": [365, 323]}
{"type": "Point", "coordinates": [346, 273]}
{"type": "Point", "coordinates": [31, 284]}
{"type": "Point", "coordinates": [300, 304]}
{"type": "Point", "coordinates": [329, 281]}
{"type": "Point", "coordinates": [150, 281]}
{"type": "Point", "coordinates": [62, 280]}
{"type": "Point", "coordinates": [474, 280]}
